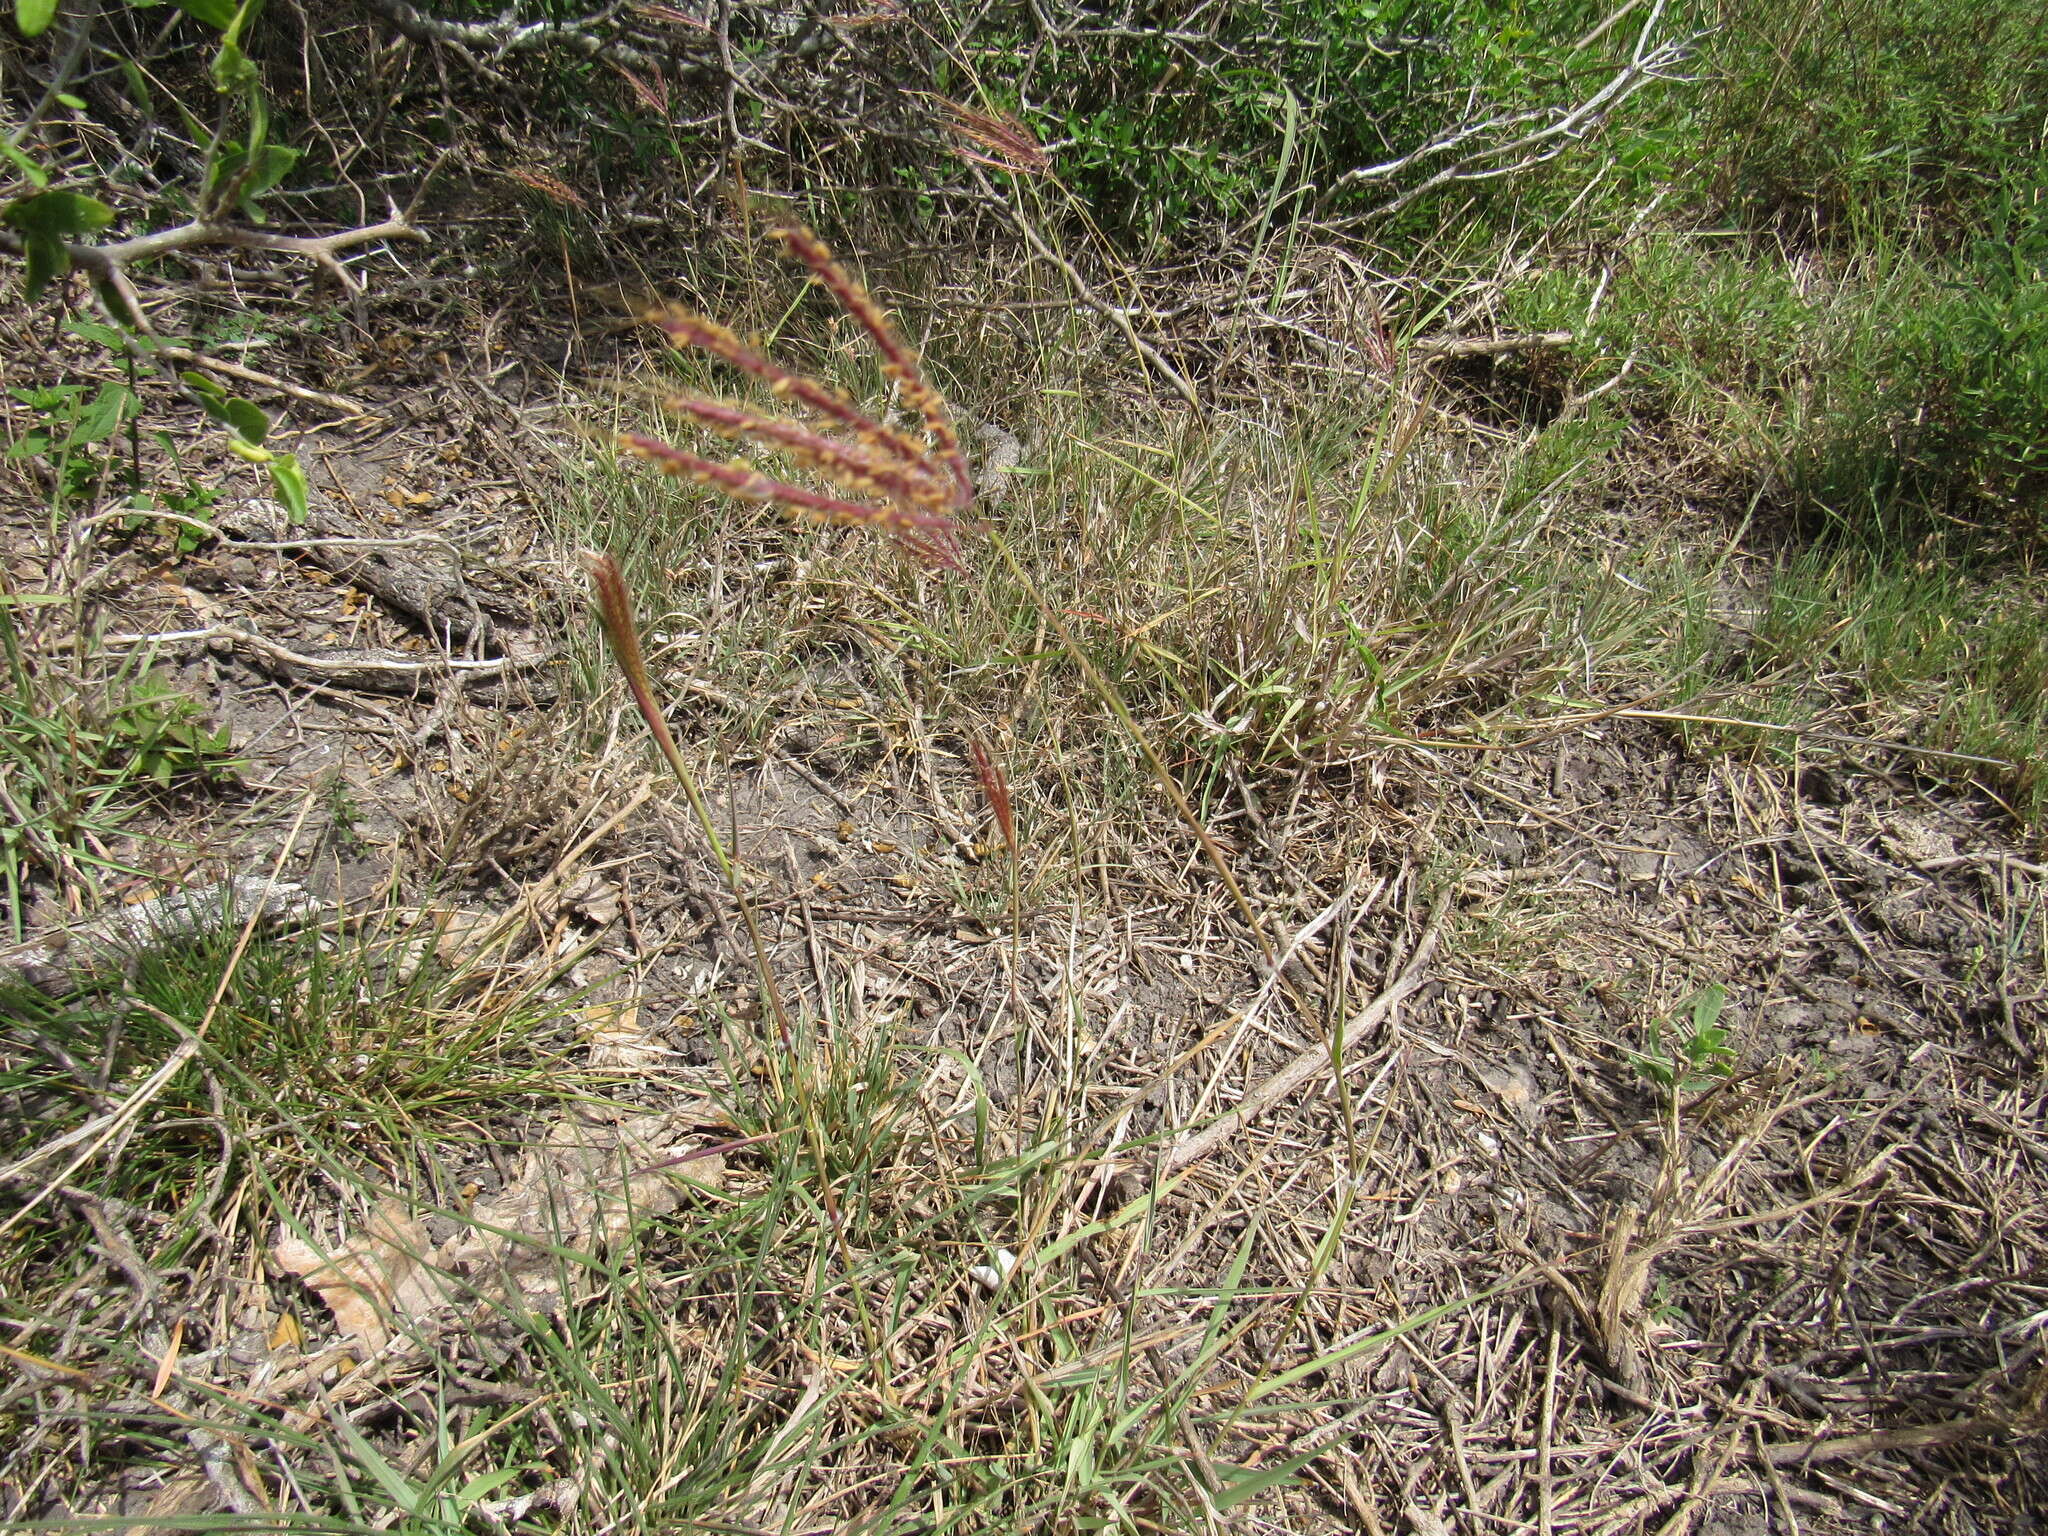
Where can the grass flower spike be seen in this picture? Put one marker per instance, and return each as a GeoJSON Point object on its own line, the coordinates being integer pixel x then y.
{"type": "Point", "coordinates": [915, 491]}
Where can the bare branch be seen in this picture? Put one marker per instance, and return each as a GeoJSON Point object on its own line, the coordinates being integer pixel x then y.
{"type": "Point", "coordinates": [1557, 128]}
{"type": "Point", "coordinates": [585, 35]}
{"type": "Point", "coordinates": [107, 261]}
{"type": "Point", "coordinates": [262, 380]}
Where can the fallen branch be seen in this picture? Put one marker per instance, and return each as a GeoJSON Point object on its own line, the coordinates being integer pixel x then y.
{"type": "Point", "coordinates": [109, 262]}
{"type": "Point", "coordinates": [1431, 347]}
{"type": "Point", "coordinates": [261, 380]}
{"type": "Point", "coordinates": [582, 35]}
{"type": "Point", "coordinates": [1919, 1437]}
{"type": "Point", "coordinates": [362, 671]}
{"type": "Point", "coordinates": [126, 934]}
{"type": "Point", "coordinates": [369, 671]}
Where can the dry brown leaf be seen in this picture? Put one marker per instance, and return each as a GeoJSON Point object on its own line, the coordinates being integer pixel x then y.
{"type": "Point", "coordinates": [582, 1189]}
{"type": "Point", "coordinates": [379, 1283]}
{"type": "Point", "coordinates": [619, 1042]}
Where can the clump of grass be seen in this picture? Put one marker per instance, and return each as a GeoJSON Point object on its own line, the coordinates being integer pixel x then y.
{"type": "Point", "coordinates": [1871, 121]}
{"type": "Point", "coordinates": [160, 1119]}
{"type": "Point", "coordinates": [364, 1039]}
{"type": "Point", "coordinates": [82, 752]}
{"type": "Point", "coordinates": [1918, 651]}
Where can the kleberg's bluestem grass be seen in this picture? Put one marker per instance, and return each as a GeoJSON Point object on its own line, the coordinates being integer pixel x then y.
{"type": "Point", "coordinates": [914, 491]}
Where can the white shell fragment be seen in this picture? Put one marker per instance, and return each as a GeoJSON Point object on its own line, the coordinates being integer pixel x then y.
{"type": "Point", "coordinates": [991, 1277]}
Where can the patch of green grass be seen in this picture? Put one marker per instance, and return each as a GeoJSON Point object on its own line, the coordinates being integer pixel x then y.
{"type": "Point", "coordinates": [1841, 297]}
{"type": "Point", "coordinates": [209, 1090]}
{"type": "Point", "coordinates": [82, 751]}
{"type": "Point", "coordinates": [1888, 414]}
{"type": "Point", "coordinates": [1916, 651]}
{"type": "Point", "coordinates": [1876, 399]}
{"type": "Point", "coordinates": [364, 1039]}
{"type": "Point", "coordinates": [803, 1343]}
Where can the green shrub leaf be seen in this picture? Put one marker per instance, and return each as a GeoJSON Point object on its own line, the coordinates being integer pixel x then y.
{"type": "Point", "coordinates": [33, 17]}
{"type": "Point", "coordinates": [45, 220]}
{"type": "Point", "coordinates": [61, 214]}
{"type": "Point", "coordinates": [247, 419]}
{"type": "Point", "coordinates": [218, 14]}
{"type": "Point", "coordinates": [289, 481]}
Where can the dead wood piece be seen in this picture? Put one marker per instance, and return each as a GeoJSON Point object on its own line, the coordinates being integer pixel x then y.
{"type": "Point", "coordinates": [127, 934]}
{"type": "Point", "coordinates": [496, 39]}
{"type": "Point", "coordinates": [1433, 347]}
{"type": "Point", "coordinates": [370, 671]}
{"type": "Point", "coordinates": [431, 592]}
{"type": "Point", "coordinates": [262, 380]}
{"type": "Point", "coordinates": [110, 263]}
{"type": "Point", "coordinates": [1918, 1437]}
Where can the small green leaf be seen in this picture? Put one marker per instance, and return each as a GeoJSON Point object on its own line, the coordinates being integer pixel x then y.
{"type": "Point", "coordinates": [46, 220]}
{"type": "Point", "coordinates": [75, 103]}
{"type": "Point", "coordinates": [1241, 1483]}
{"type": "Point", "coordinates": [267, 169]}
{"type": "Point", "coordinates": [247, 419]}
{"type": "Point", "coordinates": [231, 69]}
{"type": "Point", "coordinates": [225, 166]}
{"type": "Point", "coordinates": [218, 14]}
{"type": "Point", "coordinates": [102, 418]}
{"type": "Point", "coordinates": [245, 15]}
{"type": "Point", "coordinates": [60, 213]}
{"type": "Point", "coordinates": [33, 17]}
{"type": "Point", "coordinates": [92, 330]}
{"type": "Point", "coordinates": [212, 398]}
{"type": "Point", "coordinates": [488, 1482]}
{"type": "Point", "coordinates": [138, 84]}
{"type": "Point", "coordinates": [290, 482]}
{"type": "Point", "coordinates": [35, 173]}
{"type": "Point", "coordinates": [46, 260]}
{"type": "Point", "coordinates": [1706, 1007]}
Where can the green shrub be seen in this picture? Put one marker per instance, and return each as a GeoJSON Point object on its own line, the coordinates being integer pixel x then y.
{"type": "Point", "coordinates": [1882, 399]}
{"type": "Point", "coordinates": [1249, 114]}
{"type": "Point", "coordinates": [1932, 408]}
{"type": "Point", "coordinates": [1873, 119]}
